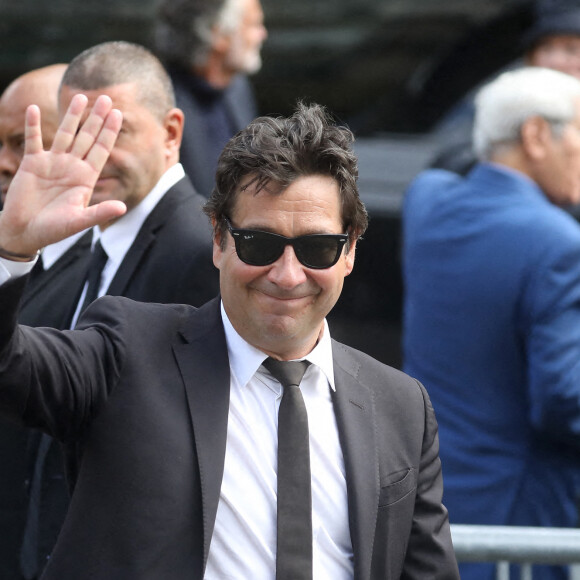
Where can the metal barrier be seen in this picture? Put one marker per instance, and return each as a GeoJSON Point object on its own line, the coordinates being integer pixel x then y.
{"type": "Point", "coordinates": [520, 545]}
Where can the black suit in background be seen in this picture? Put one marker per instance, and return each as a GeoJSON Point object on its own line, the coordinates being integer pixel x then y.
{"type": "Point", "coordinates": [146, 395]}
{"type": "Point", "coordinates": [200, 147]}
{"type": "Point", "coordinates": [49, 293]}
{"type": "Point", "coordinates": [170, 261]}
{"type": "Point", "coordinates": [46, 302]}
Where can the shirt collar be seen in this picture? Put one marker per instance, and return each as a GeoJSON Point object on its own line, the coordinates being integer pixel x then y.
{"type": "Point", "coordinates": [51, 253]}
{"type": "Point", "coordinates": [246, 359]}
{"type": "Point", "coordinates": [118, 237]}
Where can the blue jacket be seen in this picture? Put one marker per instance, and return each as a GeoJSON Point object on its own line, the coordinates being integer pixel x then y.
{"type": "Point", "coordinates": [492, 328]}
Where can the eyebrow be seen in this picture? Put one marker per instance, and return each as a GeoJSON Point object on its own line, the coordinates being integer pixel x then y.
{"type": "Point", "coordinates": [270, 230]}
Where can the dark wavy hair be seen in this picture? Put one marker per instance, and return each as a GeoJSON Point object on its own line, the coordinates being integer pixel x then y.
{"type": "Point", "coordinates": [277, 151]}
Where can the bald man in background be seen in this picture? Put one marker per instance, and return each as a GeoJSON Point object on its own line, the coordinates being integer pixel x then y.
{"type": "Point", "coordinates": [69, 257]}
{"type": "Point", "coordinates": [40, 87]}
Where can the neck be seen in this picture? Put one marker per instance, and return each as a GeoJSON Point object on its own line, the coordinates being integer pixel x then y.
{"type": "Point", "coordinates": [513, 158]}
{"type": "Point", "coordinates": [297, 351]}
{"type": "Point", "coordinates": [214, 72]}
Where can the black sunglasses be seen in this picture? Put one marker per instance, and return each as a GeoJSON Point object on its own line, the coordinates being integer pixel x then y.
{"type": "Point", "coordinates": [258, 248]}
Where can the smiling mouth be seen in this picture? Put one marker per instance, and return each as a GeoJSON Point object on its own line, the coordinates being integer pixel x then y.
{"type": "Point", "coordinates": [283, 298]}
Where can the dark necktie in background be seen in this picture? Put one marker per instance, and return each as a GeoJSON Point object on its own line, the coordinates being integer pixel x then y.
{"type": "Point", "coordinates": [37, 271]}
{"type": "Point", "coordinates": [98, 260]}
{"type": "Point", "coordinates": [294, 539]}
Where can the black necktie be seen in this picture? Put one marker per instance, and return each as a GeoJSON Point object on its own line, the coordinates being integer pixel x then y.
{"type": "Point", "coordinates": [294, 522]}
{"type": "Point", "coordinates": [98, 260]}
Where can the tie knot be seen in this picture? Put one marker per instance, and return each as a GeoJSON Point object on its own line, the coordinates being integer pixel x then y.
{"type": "Point", "coordinates": [287, 372]}
{"type": "Point", "coordinates": [98, 257]}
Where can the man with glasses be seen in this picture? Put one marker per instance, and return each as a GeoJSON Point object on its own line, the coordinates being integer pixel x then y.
{"type": "Point", "coordinates": [492, 309]}
{"type": "Point", "coordinates": [237, 440]}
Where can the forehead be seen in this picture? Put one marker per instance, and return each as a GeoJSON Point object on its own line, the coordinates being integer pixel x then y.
{"type": "Point", "coordinates": [556, 39]}
{"type": "Point", "coordinates": [12, 115]}
{"type": "Point", "coordinates": [252, 10]}
{"type": "Point", "coordinates": [309, 201]}
{"type": "Point", "coordinates": [125, 96]}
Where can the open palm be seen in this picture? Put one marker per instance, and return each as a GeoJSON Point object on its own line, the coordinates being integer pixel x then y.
{"type": "Point", "coordinates": [49, 195]}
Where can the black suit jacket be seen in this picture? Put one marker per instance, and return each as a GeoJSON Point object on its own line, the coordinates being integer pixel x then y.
{"type": "Point", "coordinates": [169, 261]}
{"type": "Point", "coordinates": [48, 294]}
{"type": "Point", "coordinates": [145, 389]}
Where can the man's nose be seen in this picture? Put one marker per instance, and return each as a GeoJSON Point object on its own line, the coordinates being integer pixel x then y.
{"type": "Point", "coordinates": [9, 162]}
{"type": "Point", "coordinates": [287, 271]}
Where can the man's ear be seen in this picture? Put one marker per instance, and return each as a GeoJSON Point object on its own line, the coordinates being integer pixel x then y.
{"type": "Point", "coordinates": [217, 240]}
{"type": "Point", "coordinates": [173, 124]}
{"type": "Point", "coordinates": [217, 236]}
{"type": "Point", "coordinates": [220, 41]}
{"type": "Point", "coordinates": [536, 137]}
{"type": "Point", "coordinates": [349, 258]}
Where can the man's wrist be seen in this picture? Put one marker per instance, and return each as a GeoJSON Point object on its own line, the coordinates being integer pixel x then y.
{"type": "Point", "coordinates": [16, 257]}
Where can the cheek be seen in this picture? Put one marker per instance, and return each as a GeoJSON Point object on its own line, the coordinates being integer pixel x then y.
{"type": "Point", "coordinates": [574, 165]}
{"type": "Point", "coordinates": [329, 282]}
{"type": "Point", "coordinates": [116, 158]}
{"type": "Point", "coordinates": [10, 159]}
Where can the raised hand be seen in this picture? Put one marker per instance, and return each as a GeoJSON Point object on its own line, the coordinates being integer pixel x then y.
{"type": "Point", "coordinates": [49, 195]}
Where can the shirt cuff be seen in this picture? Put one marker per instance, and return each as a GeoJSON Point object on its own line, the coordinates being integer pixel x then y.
{"type": "Point", "coordinates": [10, 269]}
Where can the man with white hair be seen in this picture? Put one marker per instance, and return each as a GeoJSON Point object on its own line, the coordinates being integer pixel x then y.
{"type": "Point", "coordinates": [492, 309]}
{"type": "Point", "coordinates": [209, 48]}
{"type": "Point", "coordinates": [553, 41]}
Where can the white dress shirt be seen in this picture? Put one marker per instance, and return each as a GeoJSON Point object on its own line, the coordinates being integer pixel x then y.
{"type": "Point", "coordinates": [243, 544]}
{"type": "Point", "coordinates": [10, 269]}
{"type": "Point", "coordinates": [50, 254]}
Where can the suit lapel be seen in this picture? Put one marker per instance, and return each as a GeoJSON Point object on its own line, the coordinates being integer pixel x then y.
{"type": "Point", "coordinates": [158, 218]}
{"type": "Point", "coordinates": [239, 102]}
{"type": "Point", "coordinates": [203, 361]}
{"type": "Point", "coordinates": [355, 415]}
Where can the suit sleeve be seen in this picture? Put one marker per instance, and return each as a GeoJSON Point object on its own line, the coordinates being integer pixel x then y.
{"type": "Point", "coordinates": [551, 335]}
{"type": "Point", "coordinates": [430, 551]}
{"type": "Point", "coordinates": [56, 380]}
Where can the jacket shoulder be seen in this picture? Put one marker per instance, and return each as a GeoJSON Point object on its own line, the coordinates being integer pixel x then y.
{"type": "Point", "coordinates": [379, 377]}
